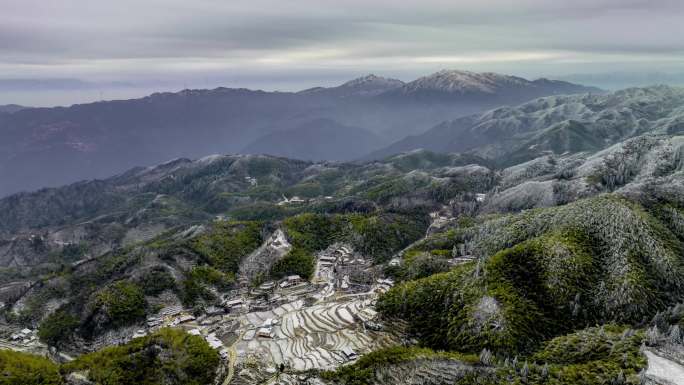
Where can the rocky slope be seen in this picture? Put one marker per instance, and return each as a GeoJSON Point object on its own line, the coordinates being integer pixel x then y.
{"type": "Point", "coordinates": [556, 124]}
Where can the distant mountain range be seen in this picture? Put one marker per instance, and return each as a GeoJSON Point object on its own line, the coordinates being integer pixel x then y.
{"type": "Point", "coordinates": [10, 108]}
{"type": "Point", "coordinates": [472, 87]}
{"type": "Point", "coordinates": [52, 146]}
{"type": "Point", "coordinates": [370, 85]}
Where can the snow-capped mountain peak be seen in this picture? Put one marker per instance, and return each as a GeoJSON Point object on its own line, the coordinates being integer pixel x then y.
{"type": "Point", "coordinates": [457, 81]}
{"type": "Point", "coordinates": [369, 85]}
{"type": "Point", "coordinates": [374, 81]}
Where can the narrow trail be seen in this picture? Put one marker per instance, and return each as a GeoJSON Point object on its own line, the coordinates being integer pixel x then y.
{"type": "Point", "coordinates": [232, 359]}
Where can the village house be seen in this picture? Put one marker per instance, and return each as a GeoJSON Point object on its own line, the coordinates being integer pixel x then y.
{"type": "Point", "coordinates": [265, 332]}
{"type": "Point", "coordinates": [214, 310]}
{"type": "Point", "coordinates": [327, 258]}
{"type": "Point", "coordinates": [182, 319]}
{"type": "Point", "coordinates": [267, 286]}
{"type": "Point", "coordinates": [233, 305]}
{"type": "Point", "coordinates": [293, 279]}
{"type": "Point", "coordinates": [139, 333]}
{"type": "Point", "coordinates": [290, 280]}
{"type": "Point", "coordinates": [349, 353]}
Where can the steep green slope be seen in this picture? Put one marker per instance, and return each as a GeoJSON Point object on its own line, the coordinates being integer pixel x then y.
{"type": "Point", "coordinates": [543, 272]}
{"type": "Point", "coordinates": [27, 369]}
{"type": "Point", "coordinates": [169, 356]}
{"type": "Point", "coordinates": [598, 355]}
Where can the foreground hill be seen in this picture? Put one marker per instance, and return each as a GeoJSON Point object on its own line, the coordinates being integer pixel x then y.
{"type": "Point", "coordinates": [167, 357]}
{"type": "Point", "coordinates": [51, 146]}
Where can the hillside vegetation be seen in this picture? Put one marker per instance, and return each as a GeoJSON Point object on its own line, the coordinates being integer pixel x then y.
{"type": "Point", "coordinates": [544, 272]}
{"type": "Point", "coordinates": [167, 357]}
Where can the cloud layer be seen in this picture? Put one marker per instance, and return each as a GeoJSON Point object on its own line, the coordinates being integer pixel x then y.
{"type": "Point", "coordinates": [286, 44]}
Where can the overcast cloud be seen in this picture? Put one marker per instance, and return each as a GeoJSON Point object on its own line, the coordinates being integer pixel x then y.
{"type": "Point", "coordinates": [280, 44]}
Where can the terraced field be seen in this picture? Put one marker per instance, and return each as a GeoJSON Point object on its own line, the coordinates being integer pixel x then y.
{"type": "Point", "coordinates": [312, 337]}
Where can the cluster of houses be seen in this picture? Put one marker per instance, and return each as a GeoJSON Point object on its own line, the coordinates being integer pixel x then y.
{"type": "Point", "coordinates": [213, 342]}
{"type": "Point", "coordinates": [346, 256]}
{"type": "Point", "coordinates": [24, 336]}
{"type": "Point", "coordinates": [181, 319]}
{"type": "Point", "coordinates": [343, 254]}
{"type": "Point", "coordinates": [343, 270]}
{"type": "Point", "coordinates": [297, 200]}
{"type": "Point", "coordinates": [251, 180]}
{"type": "Point", "coordinates": [235, 305]}
{"type": "Point", "coordinates": [239, 305]}
{"type": "Point", "coordinates": [176, 316]}
{"type": "Point", "coordinates": [294, 200]}
{"type": "Point", "coordinates": [270, 286]}
{"type": "Point", "coordinates": [172, 314]}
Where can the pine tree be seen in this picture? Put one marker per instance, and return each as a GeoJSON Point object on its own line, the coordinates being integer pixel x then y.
{"type": "Point", "coordinates": [653, 335]}
{"type": "Point", "coordinates": [545, 371]}
{"type": "Point", "coordinates": [525, 371]}
{"type": "Point", "coordinates": [675, 334]}
{"type": "Point", "coordinates": [486, 357]}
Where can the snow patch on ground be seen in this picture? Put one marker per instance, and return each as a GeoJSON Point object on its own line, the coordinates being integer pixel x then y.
{"type": "Point", "coordinates": [660, 369]}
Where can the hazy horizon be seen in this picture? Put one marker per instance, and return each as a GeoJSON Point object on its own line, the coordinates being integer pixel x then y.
{"type": "Point", "coordinates": [170, 45]}
{"type": "Point", "coordinates": [42, 92]}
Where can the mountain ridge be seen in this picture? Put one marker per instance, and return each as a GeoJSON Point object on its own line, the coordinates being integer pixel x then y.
{"type": "Point", "coordinates": [65, 144]}
{"type": "Point", "coordinates": [10, 108]}
{"type": "Point", "coordinates": [554, 123]}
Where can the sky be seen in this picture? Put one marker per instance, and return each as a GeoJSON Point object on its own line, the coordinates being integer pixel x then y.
{"type": "Point", "coordinates": [120, 48]}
